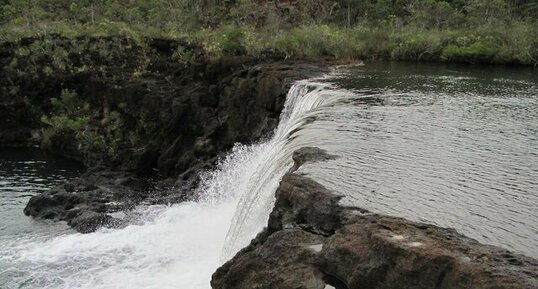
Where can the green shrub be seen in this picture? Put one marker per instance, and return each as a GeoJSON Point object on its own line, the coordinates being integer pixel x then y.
{"type": "Point", "coordinates": [518, 43]}
{"type": "Point", "coordinates": [184, 56]}
{"type": "Point", "coordinates": [315, 40]}
{"type": "Point", "coordinates": [69, 114]}
{"type": "Point", "coordinates": [231, 39]}
{"type": "Point", "coordinates": [63, 124]}
{"type": "Point", "coordinates": [479, 49]}
{"type": "Point", "coordinates": [418, 46]}
{"type": "Point", "coordinates": [372, 42]}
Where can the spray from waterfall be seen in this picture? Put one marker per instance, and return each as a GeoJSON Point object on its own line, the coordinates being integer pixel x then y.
{"type": "Point", "coordinates": [177, 246]}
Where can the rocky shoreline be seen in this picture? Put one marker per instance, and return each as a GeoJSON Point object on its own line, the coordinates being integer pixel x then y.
{"type": "Point", "coordinates": [313, 242]}
{"type": "Point", "coordinates": [144, 116]}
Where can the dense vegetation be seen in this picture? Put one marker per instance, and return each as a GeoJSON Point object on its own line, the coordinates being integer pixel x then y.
{"type": "Point", "coordinates": [496, 31]}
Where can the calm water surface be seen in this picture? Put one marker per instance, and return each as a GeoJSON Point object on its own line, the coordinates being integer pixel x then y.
{"type": "Point", "coordinates": [455, 146]}
{"type": "Point", "coordinates": [24, 173]}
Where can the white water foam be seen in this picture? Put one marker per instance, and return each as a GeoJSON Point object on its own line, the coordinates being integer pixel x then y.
{"type": "Point", "coordinates": [177, 246]}
{"type": "Point", "coordinates": [172, 247]}
{"type": "Point", "coordinates": [174, 250]}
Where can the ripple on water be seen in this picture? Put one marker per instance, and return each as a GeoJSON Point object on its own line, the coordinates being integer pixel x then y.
{"type": "Point", "coordinates": [461, 154]}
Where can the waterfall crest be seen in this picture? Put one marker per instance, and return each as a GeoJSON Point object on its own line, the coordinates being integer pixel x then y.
{"type": "Point", "coordinates": [272, 162]}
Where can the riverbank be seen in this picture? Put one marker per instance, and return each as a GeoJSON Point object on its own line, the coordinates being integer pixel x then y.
{"type": "Point", "coordinates": [508, 44]}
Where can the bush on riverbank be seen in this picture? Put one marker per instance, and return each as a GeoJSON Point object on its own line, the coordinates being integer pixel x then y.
{"type": "Point", "coordinates": [475, 31]}
{"type": "Point", "coordinates": [516, 44]}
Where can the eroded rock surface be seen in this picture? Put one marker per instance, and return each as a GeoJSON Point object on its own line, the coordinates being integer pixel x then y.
{"type": "Point", "coordinates": [312, 242]}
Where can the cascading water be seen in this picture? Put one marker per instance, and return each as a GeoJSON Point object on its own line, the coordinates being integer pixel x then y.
{"type": "Point", "coordinates": [177, 246]}
{"type": "Point", "coordinates": [256, 200]}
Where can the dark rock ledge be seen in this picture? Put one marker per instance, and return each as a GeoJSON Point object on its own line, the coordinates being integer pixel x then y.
{"type": "Point", "coordinates": [313, 242]}
{"type": "Point", "coordinates": [190, 135]}
{"type": "Point", "coordinates": [87, 201]}
{"type": "Point", "coordinates": [144, 122]}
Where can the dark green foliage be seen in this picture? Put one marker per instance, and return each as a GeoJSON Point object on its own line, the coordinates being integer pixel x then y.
{"type": "Point", "coordinates": [69, 116]}
{"type": "Point", "coordinates": [397, 29]}
{"type": "Point", "coordinates": [104, 135]}
{"type": "Point", "coordinates": [231, 40]}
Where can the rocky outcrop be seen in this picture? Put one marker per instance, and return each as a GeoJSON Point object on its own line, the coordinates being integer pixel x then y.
{"type": "Point", "coordinates": [151, 108]}
{"type": "Point", "coordinates": [313, 242]}
{"type": "Point", "coordinates": [86, 202]}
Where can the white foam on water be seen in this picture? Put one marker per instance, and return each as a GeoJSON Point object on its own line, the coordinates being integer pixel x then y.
{"type": "Point", "coordinates": [172, 247]}
{"type": "Point", "coordinates": [177, 246]}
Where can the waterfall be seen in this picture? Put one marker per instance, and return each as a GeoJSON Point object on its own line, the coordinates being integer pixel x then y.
{"type": "Point", "coordinates": [177, 246]}
{"type": "Point", "coordinates": [274, 160]}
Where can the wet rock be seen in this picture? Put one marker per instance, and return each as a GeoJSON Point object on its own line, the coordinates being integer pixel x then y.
{"type": "Point", "coordinates": [313, 242]}
{"type": "Point", "coordinates": [297, 206]}
{"type": "Point", "coordinates": [85, 202]}
{"type": "Point", "coordinates": [271, 266]}
{"type": "Point", "coordinates": [90, 221]}
{"type": "Point", "coordinates": [309, 154]}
